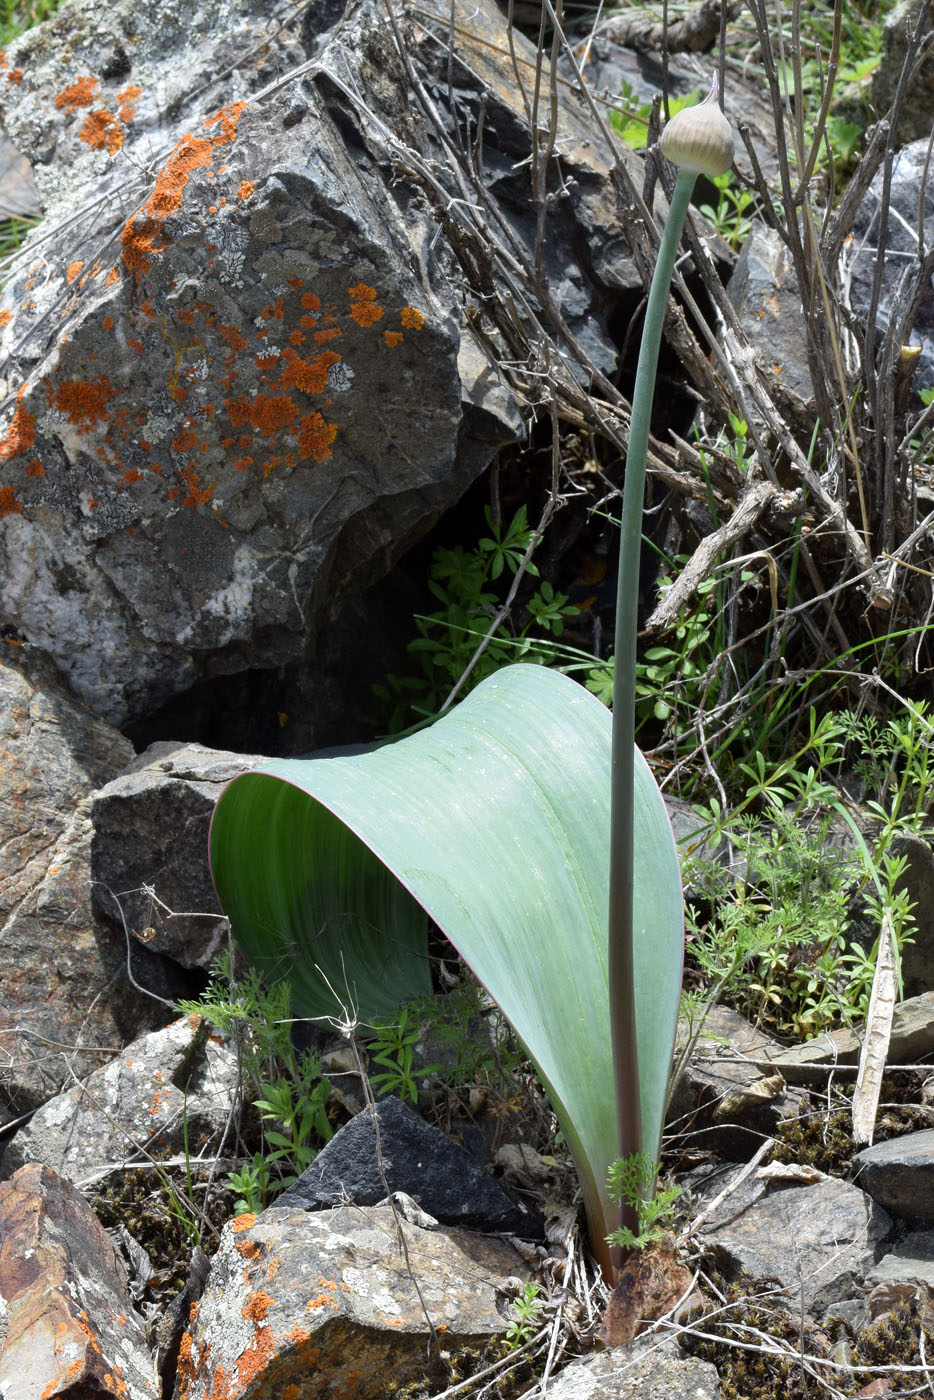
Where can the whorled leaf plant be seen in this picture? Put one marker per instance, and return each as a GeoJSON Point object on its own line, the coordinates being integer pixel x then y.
{"type": "Point", "coordinates": [495, 823]}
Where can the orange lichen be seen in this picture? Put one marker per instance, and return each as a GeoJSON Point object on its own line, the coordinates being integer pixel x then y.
{"type": "Point", "coordinates": [334, 333]}
{"type": "Point", "coordinates": [197, 495]}
{"type": "Point", "coordinates": [393, 338]}
{"type": "Point", "coordinates": [83, 402]}
{"type": "Point", "coordinates": [108, 323]}
{"type": "Point", "coordinates": [365, 309]}
{"type": "Point", "coordinates": [267, 413]}
{"type": "Point", "coordinates": [311, 302]}
{"type": "Point", "coordinates": [186, 440]}
{"type": "Point", "coordinates": [315, 437]}
{"type": "Point", "coordinates": [79, 94]}
{"type": "Point", "coordinates": [242, 463]}
{"type": "Point", "coordinates": [245, 190]}
{"type": "Point", "coordinates": [298, 337]}
{"type": "Point", "coordinates": [127, 98]}
{"type": "Point", "coordinates": [227, 119]}
{"type": "Point", "coordinates": [22, 433]}
{"type": "Point", "coordinates": [35, 468]}
{"type": "Point", "coordinates": [142, 233]}
{"type": "Point", "coordinates": [5, 318]}
{"type": "Point", "coordinates": [9, 505]}
{"type": "Point", "coordinates": [242, 1222]}
{"type": "Point", "coordinates": [308, 376]}
{"type": "Point", "coordinates": [412, 318]}
{"type": "Point", "coordinates": [15, 76]}
{"type": "Point", "coordinates": [102, 132]}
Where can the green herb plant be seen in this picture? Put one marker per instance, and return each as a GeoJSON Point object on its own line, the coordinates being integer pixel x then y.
{"type": "Point", "coordinates": [393, 1047]}
{"type": "Point", "coordinates": [634, 1181]}
{"type": "Point", "coordinates": [560, 889]}
{"type": "Point", "coordinates": [525, 1317]}
{"type": "Point", "coordinates": [467, 583]}
{"type": "Point", "coordinates": [287, 1088]}
{"type": "Point", "coordinates": [732, 215]}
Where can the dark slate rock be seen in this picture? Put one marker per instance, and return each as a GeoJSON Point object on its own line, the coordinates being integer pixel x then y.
{"type": "Point", "coordinates": [417, 1159]}
{"type": "Point", "coordinates": [911, 1261]}
{"type": "Point", "coordinates": [899, 1174]}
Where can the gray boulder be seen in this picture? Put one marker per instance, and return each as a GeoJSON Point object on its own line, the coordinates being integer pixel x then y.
{"type": "Point", "coordinates": [817, 1240]}
{"type": "Point", "coordinates": [918, 107]}
{"type": "Point", "coordinates": [899, 1174]}
{"type": "Point", "coordinates": [327, 1304]}
{"type": "Point", "coordinates": [246, 380]}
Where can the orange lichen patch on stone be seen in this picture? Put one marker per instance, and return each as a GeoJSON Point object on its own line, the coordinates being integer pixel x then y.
{"type": "Point", "coordinates": [412, 318]}
{"type": "Point", "coordinates": [198, 495]}
{"type": "Point", "coordinates": [308, 376]}
{"type": "Point", "coordinates": [242, 1222]}
{"type": "Point", "coordinates": [311, 302]}
{"type": "Point", "coordinates": [227, 119]}
{"type": "Point", "coordinates": [245, 190]}
{"type": "Point", "coordinates": [102, 132]}
{"type": "Point", "coordinates": [267, 413]}
{"type": "Point", "coordinates": [142, 232]}
{"type": "Point", "coordinates": [35, 468]}
{"type": "Point", "coordinates": [265, 361]}
{"type": "Point", "coordinates": [334, 333]}
{"type": "Point", "coordinates": [131, 474]}
{"type": "Point", "coordinates": [113, 276]}
{"type": "Point", "coordinates": [393, 338]}
{"type": "Point", "coordinates": [108, 323]}
{"type": "Point", "coordinates": [83, 402]}
{"type": "Point", "coordinates": [127, 98]}
{"type": "Point", "coordinates": [270, 465]}
{"type": "Point", "coordinates": [233, 339]}
{"type": "Point", "coordinates": [15, 76]}
{"type": "Point", "coordinates": [9, 505]}
{"type": "Point", "coordinates": [298, 337]}
{"type": "Point", "coordinates": [243, 463]}
{"type": "Point", "coordinates": [5, 318]}
{"type": "Point", "coordinates": [79, 94]}
{"type": "Point", "coordinates": [291, 1391]}
{"type": "Point", "coordinates": [22, 433]}
{"type": "Point", "coordinates": [365, 309]}
{"type": "Point", "coordinates": [186, 441]}
{"type": "Point", "coordinates": [315, 437]}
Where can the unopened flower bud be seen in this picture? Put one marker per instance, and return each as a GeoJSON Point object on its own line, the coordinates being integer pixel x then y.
{"type": "Point", "coordinates": [699, 140]}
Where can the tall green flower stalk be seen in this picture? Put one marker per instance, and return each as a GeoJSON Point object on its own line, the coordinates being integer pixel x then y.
{"type": "Point", "coordinates": [698, 140]}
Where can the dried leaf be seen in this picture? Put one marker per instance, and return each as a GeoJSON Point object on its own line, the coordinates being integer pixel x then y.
{"type": "Point", "coordinates": [653, 1281]}
{"type": "Point", "coordinates": [878, 1032]}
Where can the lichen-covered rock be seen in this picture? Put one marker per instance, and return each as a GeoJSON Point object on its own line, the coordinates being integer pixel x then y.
{"type": "Point", "coordinates": [171, 1091]}
{"type": "Point", "coordinates": [314, 1306]}
{"type": "Point", "coordinates": [71, 1328]}
{"type": "Point", "coordinates": [241, 375]}
{"type": "Point", "coordinates": [66, 1001]}
{"type": "Point", "coordinates": [235, 391]}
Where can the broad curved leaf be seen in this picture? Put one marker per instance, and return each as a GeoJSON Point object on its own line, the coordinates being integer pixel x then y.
{"type": "Point", "coordinates": [494, 821]}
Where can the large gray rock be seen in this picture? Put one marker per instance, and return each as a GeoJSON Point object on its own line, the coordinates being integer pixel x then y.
{"type": "Point", "coordinates": [918, 106]}
{"type": "Point", "coordinates": [910, 189]}
{"type": "Point", "coordinates": [644, 1371]}
{"type": "Point", "coordinates": [329, 1304]}
{"type": "Point", "coordinates": [245, 381]}
{"type": "Point", "coordinates": [66, 1002]}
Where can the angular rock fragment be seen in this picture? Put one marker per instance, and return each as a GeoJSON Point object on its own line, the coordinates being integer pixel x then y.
{"type": "Point", "coordinates": [317, 1305]}
{"type": "Point", "coordinates": [899, 1174]}
{"type": "Point", "coordinates": [413, 1157]}
{"type": "Point", "coordinates": [817, 1240]}
{"type": "Point", "coordinates": [151, 827]}
{"type": "Point", "coordinates": [72, 1330]}
{"type": "Point", "coordinates": [171, 1083]}
{"type": "Point", "coordinates": [66, 1004]}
